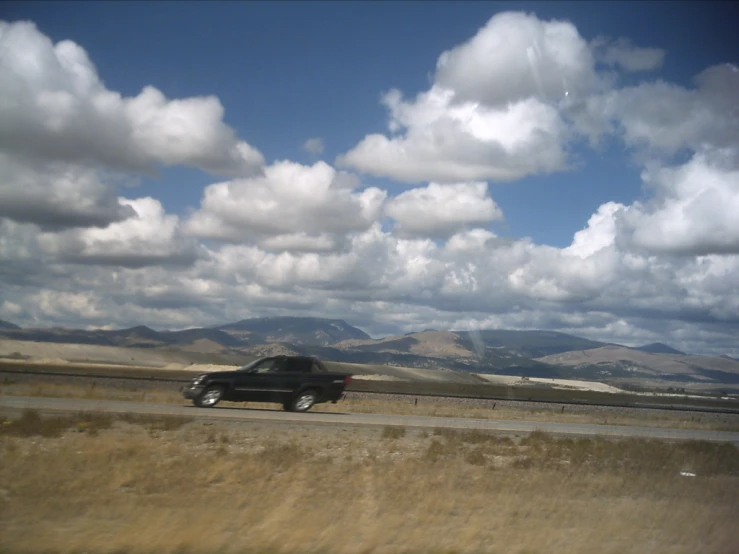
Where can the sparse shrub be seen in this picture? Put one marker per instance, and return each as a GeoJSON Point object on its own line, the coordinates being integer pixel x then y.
{"type": "Point", "coordinates": [92, 423]}
{"type": "Point", "coordinates": [536, 439]}
{"type": "Point", "coordinates": [156, 422]}
{"type": "Point", "coordinates": [476, 436]}
{"type": "Point", "coordinates": [282, 456]}
{"type": "Point", "coordinates": [710, 458]}
{"type": "Point", "coordinates": [393, 432]}
{"type": "Point", "coordinates": [9, 445]}
{"type": "Point", "coordinates": [646, 456]}
{"type": "Point", "coordinates": [31, 424]}
{"type": "Point", "coordinates": [629, 456]}
{"type": "Point", "coordinates": [505, 441]}
{"type": "Point", "coordinates": [476, 457]}
{"type": "Point", "coordinates": [446, 433]}
{"type": "Point", "coordinates": [435, 450]}
{"type": "Point", "coordinates": [523, 462]}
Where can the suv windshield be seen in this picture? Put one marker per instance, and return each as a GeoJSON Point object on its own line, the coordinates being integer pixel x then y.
{"type": "Point", "coordinates": [251, 365]}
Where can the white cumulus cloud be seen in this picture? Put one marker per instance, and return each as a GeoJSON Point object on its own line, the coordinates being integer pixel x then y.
{"type": "Point", "coordinates": [55, 107]}
{"type": "Point", "coordinates": [492, 112]}
{"type": "Point", "coordinates": [442, 210]}
{"type": "Point", "coordinates": [694, 211]}
{"type": "Point", "coordinates": [448, 143]}
{"type": "Point", "coordinates": [291, 206]}
{"type": "Point", "coordinates": [150, 237]}
{"type": "Point", "coordinates": [659, 119]}
{"type": "Point", "coordinates": [516, 56]}
{"type": "Point", "coordinates": [56, 195]}
{"type": "Point", "coordinates": [628, 57]}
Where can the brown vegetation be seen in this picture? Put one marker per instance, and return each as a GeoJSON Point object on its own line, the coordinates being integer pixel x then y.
{"type": "Point", "coordinates": [150, 486]}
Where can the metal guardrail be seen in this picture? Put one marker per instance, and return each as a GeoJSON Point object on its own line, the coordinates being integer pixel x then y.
{"type": "Point", "coordinates": [639, 405]}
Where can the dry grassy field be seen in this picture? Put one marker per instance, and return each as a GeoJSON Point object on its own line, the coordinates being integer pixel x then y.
{"type": "Point", "coordinates": [95, 483]}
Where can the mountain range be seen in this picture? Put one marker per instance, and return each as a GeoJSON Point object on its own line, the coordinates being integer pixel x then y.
{"type": "Point", "coordinates": [505, 352]}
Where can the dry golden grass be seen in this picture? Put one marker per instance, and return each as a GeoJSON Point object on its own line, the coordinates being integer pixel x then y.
{"type": "Point", "coordinates": [93, 391]}
{"type": "Point", "coordinates": [176, 487]}
{"type": "Point", "coordinates": [32, 424]}
{"type": "Point", "coordinates": [403, 405]}
{"type": "Point", "coordinates": [436, 407]}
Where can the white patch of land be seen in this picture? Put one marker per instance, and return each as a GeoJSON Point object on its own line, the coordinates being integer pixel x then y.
{"type": "Point", "coordinates": [205, 368]}
{"type": "Point", "coordinates": [577, 385]}
{"type": "Point", "coordinates": [571, 384]}
{"type": "Point", "coordinates": [375, 377]}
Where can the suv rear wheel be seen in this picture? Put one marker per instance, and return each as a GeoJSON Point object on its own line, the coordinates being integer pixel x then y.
{"type": "Point", "coordinates": [302, 402]}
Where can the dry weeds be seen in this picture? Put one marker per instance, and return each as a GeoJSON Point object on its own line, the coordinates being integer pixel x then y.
{"type": "Point", "coordinates": [218, 487]}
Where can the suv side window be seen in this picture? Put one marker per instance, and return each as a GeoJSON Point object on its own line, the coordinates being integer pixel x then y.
{"type": "Point", "coordinates": [269, 365]}
{"type": "Point", "coordinates": [298, 365]}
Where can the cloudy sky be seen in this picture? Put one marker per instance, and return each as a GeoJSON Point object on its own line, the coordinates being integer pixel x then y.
{"type": "Point", "coordinates": [398, 165]}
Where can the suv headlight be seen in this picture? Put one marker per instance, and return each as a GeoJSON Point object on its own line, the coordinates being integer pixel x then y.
{"type": "Point", "coordinates": [199, 379]}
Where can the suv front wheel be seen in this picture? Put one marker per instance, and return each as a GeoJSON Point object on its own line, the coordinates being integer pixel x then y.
{"type": "Point", "coordinates": [210, 397]}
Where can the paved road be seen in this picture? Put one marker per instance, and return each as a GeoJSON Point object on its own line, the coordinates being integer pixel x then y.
{"type": "Point", "coordinates": [15, 403]}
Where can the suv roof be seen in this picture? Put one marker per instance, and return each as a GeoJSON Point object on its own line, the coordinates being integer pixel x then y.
{"type": "Point", "coordinates": [313, 359]}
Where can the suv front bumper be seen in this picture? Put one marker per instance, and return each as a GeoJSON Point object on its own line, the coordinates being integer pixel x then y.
{"type": "Point", "coordinates": [191, 392]}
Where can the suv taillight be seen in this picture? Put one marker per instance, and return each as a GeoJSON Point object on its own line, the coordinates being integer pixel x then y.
{"type": "Point", "coordinates": [347, 380]}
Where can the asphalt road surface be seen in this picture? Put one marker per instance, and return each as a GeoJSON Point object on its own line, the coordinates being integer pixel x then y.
{"type": "Point", "coordinates": [17, 403]}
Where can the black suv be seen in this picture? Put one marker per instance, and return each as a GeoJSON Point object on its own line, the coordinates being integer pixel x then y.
{"type": "Point", "coordinates": [296, 382]}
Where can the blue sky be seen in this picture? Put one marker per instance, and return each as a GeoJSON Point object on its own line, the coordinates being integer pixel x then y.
{"type": "Point", "coordinates": [126, 197]}
{"type": "Point", "coordinates": [287, 71]}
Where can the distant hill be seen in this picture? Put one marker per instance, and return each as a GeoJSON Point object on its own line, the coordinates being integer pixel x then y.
{"type": "Point", "coordinates": [620, 362]}
{"type": "Point", "coordinates": [191, 335]}
{"type": "Point", "coordinates": [504, 352]}
{"type": "Point", "coordinates": [142, 336]}
{"type": "Point", "coordinates": [249, 332]}
{"type": "Point", "coordinates": [439, 349]}
{"type": "Point", "coordinates": [528, 344]}
{"type": "Point", "coordinates": [659, 348]}
{"type": "Point", "coordinates": [294, 330]}
{"type": "Point", "coordinates": [135, 336]}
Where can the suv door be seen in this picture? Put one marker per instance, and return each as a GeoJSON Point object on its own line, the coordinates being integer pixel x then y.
{"type": "Point", "coordinates": [254, 383]}
{"type": "Point", "coordinates": [292, 375]}
{"type": "Point", "coordinates": [280, 382]}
